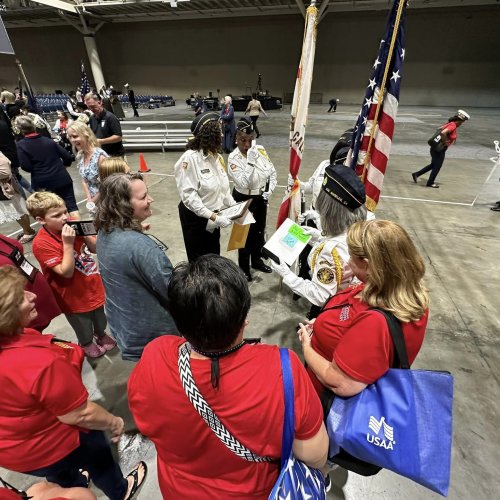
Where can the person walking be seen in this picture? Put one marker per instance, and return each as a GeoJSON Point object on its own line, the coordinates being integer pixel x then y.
{"type": "Point", "coordinates": [438, 152]}
{"type": "Point", "coordinates": [131, 99]}
{"type": "Point", "coordinates": [228, 125]}
{"type": "Point", "coordinates": [254, 109]}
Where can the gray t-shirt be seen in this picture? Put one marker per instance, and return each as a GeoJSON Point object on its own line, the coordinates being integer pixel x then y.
{"type": "Point", "coordinates": [135, 272]}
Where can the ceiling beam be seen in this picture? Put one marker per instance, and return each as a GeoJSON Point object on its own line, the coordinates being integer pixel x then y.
{"type": "Point", "coordinates": [59, 4]}
{"type": "Point", "coordinates": [300, 5]}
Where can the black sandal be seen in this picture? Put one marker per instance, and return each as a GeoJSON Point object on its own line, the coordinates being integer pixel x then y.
{"type": "Point", "coordinates": [135, 475]}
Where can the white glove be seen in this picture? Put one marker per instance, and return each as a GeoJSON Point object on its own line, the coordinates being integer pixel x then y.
{"type": "Point", "coordinates": [301, 218]}
{"type": "Point", "coordinates": [290, 181]}
{"type": "Point", "coordinates": [266, 195]}
{"type": "Point", "coordinates": [222, 221]}
{"type": "Point", "coordinates": [313, 232]}
{"type": "Point", "coordinates": [252, 155]}
{"type": "Point", "coordinates": [282, 269]}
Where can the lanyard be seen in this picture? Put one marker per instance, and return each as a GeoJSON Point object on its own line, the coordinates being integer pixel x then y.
{"type": "Point", "coordinates": [28, 270]}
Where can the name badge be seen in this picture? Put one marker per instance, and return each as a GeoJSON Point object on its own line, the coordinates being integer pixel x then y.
{"type": "Point", "coordinates": [205, 171]}
{"type": "Point", "coordinates": [103, 122]}
{"type": "Point", "coordinates": [24, 266]}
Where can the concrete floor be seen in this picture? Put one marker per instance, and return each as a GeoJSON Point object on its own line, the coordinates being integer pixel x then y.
{"type": "Point", "coordinates": [457, 235]}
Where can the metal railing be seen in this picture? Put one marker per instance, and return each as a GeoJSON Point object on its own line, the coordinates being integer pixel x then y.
{"type": "Point", "coordinates": [155, 134]}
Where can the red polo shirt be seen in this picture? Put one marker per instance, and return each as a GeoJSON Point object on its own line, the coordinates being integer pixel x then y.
{"type": "Point", "coordinates": [45, 303]}
{"type": "Point", "coordinates": [358, 339]}
{"type": "Point", "coordinates": [40, 381]}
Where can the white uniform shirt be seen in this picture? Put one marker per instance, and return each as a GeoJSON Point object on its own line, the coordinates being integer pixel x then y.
{"type": "Point", "coordinates": [330, 271]}
{"type": "Point", "coordinates": [313, 185]}
{"type": "Point", "coordinates": [202, 183]}
{"type": "Point", "coordinates": [248, 177]}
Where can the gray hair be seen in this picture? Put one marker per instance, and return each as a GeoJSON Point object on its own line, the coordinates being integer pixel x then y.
{"type": "Point", "coordinates": [335, 217]}
{"type": "Point", "coordinates": [25, 125]}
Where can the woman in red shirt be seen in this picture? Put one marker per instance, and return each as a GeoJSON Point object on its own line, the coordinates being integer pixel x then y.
{"type": "Point", "coordinates": [48, 426]}
{"type": "Point", "coordinates": [348, 346]}
{"type": "Point", "coordinates": [239, 379]}
{"type": "Point", "coordinates": [448, 137]}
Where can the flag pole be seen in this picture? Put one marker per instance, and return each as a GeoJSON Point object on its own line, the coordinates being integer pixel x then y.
{"type": "Point", "coordinates": [381, 90]}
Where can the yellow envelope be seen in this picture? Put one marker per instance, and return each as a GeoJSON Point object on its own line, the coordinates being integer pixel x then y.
{"type": "Point", "coordinates": [238, 237]}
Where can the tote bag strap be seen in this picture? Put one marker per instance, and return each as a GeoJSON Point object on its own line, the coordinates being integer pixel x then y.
{"type": "Point", "coordinates": [208, 415]}
{"type": "Point", "coordinates": [289, 420]}
{"type": "Point", "coordinates": [400, 353]}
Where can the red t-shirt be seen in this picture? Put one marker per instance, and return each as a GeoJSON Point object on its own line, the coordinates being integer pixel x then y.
{"type": "Point", "coordinates": [40, 380]}
{"type": "Point", "coordinates": [451, 128]}
{"type": "Point", "coordinates": [83, 292]}
{"type": "Point", "coordinates": [192, 461]}
{"type": "Point", "coordinates": [358, 339]}
{"type": "Point", "coordinates": [45, 303]}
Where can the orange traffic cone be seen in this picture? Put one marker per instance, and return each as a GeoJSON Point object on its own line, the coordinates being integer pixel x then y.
{"type": "Point", "coordinates": [143, 166]}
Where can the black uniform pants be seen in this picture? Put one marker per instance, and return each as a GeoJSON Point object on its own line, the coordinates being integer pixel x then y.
{"type": "Point", "coordinates": [437, 159]}
{"type": "Point", "coordinates": [255, 240]}
{"type": "Point", "coordinates": [254, 121]}
{"type": "Point", "coordinates": [134, 107]}
{"type": "Point", "coordinates": [197, 240]}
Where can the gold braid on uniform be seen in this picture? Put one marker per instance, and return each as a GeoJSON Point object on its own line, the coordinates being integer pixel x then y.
{"type": "Point", "coordinates": [336, 262]}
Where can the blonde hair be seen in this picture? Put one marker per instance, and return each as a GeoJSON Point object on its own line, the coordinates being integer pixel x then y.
{"type": "Point", "coordinates": [112, 166]}
{"type": "Point", "coordinates": [83, 130]}
{"type": "Point", "coordinates": [395, 268]}
{"type": "Point", "coordinates": [39, 203]}
{"type": "Point", "coordinates": [11, 298]}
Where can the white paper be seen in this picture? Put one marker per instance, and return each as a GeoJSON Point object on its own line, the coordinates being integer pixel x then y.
{"type": "Point", "coordinates": [285, 244]}
{"type": "Point", "coordinates": [233, 211]}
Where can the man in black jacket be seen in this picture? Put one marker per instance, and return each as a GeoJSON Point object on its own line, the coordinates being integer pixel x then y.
{"type": "Point", "coordinates": [131, 99]}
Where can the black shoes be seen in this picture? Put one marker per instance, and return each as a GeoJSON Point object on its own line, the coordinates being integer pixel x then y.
{"type": "Point", "coordinates": [260, 266]}
{"type": "Point", "coordinates": [248, 276]}
{"type": "Point", "coordinates": [414, 177]}
{"type": "Point", "coordinates": [432, 186]}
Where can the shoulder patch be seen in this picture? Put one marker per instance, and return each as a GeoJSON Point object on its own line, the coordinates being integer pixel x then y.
{"type": "Point", "coordinates": [185, 165]}
{"type": "Point", "coordinates": [233, 167]}
{"type": "Point", "coordinates": [325, 275]}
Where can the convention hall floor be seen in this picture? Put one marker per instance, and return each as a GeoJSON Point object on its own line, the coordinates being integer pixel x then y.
{"type": "Point", "coordinates": [454, 229]}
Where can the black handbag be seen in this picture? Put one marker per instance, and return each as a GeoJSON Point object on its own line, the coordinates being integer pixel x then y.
{"type": "Point", "coordinates": [436, 141]}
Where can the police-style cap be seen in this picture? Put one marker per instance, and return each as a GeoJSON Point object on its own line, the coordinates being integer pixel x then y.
{"type": "Point", "coordinates": [201, 120]}
{"type": "Point", "coordinates": [245, 125]}
{"type": "Point", "coordinates": [463, 115]}
{"type": "Point", "coordinates": [344, 186]}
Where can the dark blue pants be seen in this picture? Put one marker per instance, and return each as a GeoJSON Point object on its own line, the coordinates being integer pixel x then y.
{"type": "Point", "coordinates": [93, 455]}
{"type": "Point", "coordinates": [435, 165]}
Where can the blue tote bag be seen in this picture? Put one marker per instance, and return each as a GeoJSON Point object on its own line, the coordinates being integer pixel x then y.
{"type": "Point", "coordinates": [403, 422]}
{"type": "Point", "coordinates": [296, 480]}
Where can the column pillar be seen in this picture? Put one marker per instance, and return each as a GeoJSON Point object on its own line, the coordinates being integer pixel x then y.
{"type": "Point", "coordinates": [95, 62]}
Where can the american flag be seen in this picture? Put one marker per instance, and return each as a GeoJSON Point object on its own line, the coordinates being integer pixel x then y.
{"type": "Point", "coordinates": [84, 84]}
{"type": "Point", "coordinates": [372, 138]}
{"type": "Point", "coordinates": [290, 206]}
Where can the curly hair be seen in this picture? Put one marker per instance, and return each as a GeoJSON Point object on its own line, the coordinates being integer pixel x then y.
{"type": "Point", "coordinates": [85, 132]}
{"type": "Point", "coordinates": [114, 208]}
{"type": "Point", "coordinates": [11, 298]}
{"type": "Point", "coordinates": [395, 268]}
{"type": "Point", "coordinates": [208, 139]}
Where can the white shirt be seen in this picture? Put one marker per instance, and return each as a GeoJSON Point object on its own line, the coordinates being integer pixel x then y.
{"type": "Point", "coordinates": [313, 185]}
{"type": "Point", "coordinates": [202, 183]}
{"type": "Point", "coordinates": [247, 176]}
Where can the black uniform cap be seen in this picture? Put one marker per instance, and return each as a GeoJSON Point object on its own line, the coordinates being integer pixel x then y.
{"type": "Point", "coordinates": [245, 125]}
{"type": "Point", "coordinates": [201, 120]}
{"type": "Point", "coordinates": [344, 186]}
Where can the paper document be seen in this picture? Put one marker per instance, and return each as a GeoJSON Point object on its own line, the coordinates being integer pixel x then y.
{"type": "Point", "coordinates": [287, 242]}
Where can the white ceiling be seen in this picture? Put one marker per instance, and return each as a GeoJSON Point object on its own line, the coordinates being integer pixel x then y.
{"type": "Point", "coordinates": [27, 13]}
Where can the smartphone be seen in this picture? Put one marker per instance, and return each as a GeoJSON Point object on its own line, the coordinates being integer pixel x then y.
{"type": "Point", "coordinates": [83, 227]}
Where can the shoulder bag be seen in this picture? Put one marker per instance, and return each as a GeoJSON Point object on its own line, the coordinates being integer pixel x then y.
{"type": "Point", "coordinates": [436, 141]}
{"type": "Point", "coordinates": [296, 480]}
{"type": "Point", "coordinates": [402, 422]}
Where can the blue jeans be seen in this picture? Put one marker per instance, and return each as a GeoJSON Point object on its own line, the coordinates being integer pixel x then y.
{"type": "Point", "coordinates": [93, 455]}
